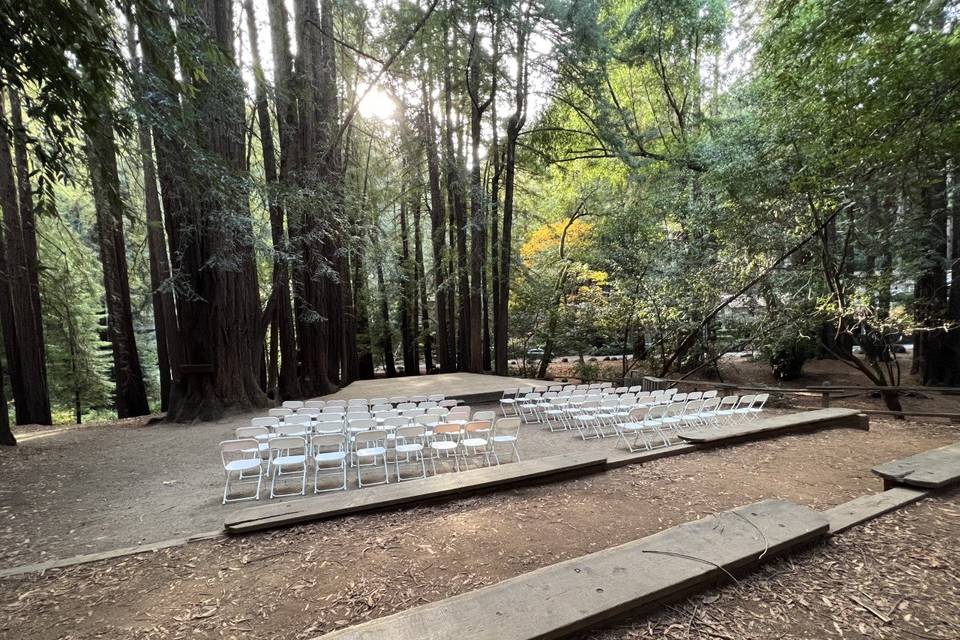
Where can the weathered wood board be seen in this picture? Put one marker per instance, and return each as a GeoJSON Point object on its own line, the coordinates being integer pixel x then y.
{"type": "Point", "coordinates": [413, 491]}
{"type": "Point", "coordinates": [576, 594]}
{"type": "Point", "coordinates": [933, 469]}
{"type": "Point", "coordinates": [868, 507]}
{"type": "Point", "coordinates": [777, 425]}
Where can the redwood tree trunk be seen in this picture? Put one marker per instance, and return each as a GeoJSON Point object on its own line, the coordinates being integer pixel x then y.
{"type": "Point", "coordinates": [7, 438]}
{"type": "Point", "coordinates": [422, 291]}
{"type": "Point", "coordinates": [131, 394]}
{"type": "Point", "coordinates": [24, 345]}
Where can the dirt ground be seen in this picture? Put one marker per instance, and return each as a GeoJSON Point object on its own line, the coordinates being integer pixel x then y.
{"type": "Point", "coordinates": [303, 581]}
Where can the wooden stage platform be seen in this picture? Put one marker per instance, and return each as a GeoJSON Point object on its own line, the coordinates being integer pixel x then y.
{"type": "Point", "coordinates": [471, 387]}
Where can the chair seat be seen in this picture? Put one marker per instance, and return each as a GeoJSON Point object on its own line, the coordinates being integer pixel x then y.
{"type": "Point", "coordinates": [604, 416]}
{"type": "Point", "coordinates": [504, 438]}
{"type": "Point", "coordinates": [475, 442]}
{"type": "Point", "coordinates": [443, 444]}
{"type": "Point", "coordinates": [507, 400]}
{"type": "Point", "coordinates": [633, 426]}
{"type": "Point", "coordinates": [330, 456]}
{"type": "Point", "coordinates": [584, 418]}
{"type": "Point", "coordinates": [369, 452]}
{"type": "Point", "coordinates": [409, 448]}
{"type": "Point", "coordinates": [284, 461]}
{"type": "Point", "coordinates": [243, 465]}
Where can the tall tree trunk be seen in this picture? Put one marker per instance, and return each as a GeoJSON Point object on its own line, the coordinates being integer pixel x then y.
{"type": "Point", "coordinates": [931, 352]}
{"type": "Point", "coordinates": [386, 338]}
{"type": "Point", "coordinates": [422, 291]}
{"type": "Point", "coordinates": [408, 318]}
{"type": "Point", "coordinates": [366, 368]}
{"type": "Point", "coordinates": [499, 344]}
{"type": "Point", "coordinates": [161, 296]}
{"type": "Point", "coordinates": [131, 394]}
{"type": "Point", "coordinates": [478, 236]}
{"type": "Point", "coordinates": [7, 438]}
{"type": "Point", "coordinates": [438, 226]}
{"type": "Point", "coordinates": [287, 383]}
{"type": "Point", "coordinates": [24, 344]}
{"type": "Point", "coordinates": [514, 126]}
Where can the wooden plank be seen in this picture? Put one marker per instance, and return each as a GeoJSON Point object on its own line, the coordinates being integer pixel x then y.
{"type": "Point", "coordinates": [868, 507]}
{"type": "Point", "coordinates": [570, 596]}
{"type": "Point", "coordinates": [622, 458]}
{"type": "Point", "coordinates": [933, 469]}
{"type": "Point", "coordinates": [777, 425]}
{"type": "Point", "coordinates": [410, 492]}
{"type": "Point", "coordinates": [149, 547]}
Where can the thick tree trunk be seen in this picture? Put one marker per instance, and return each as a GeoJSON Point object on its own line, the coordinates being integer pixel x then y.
{"type": "Point", "coordinates": [422, 290]}
{"type": "Point", "coordinates": [386, 338]}
{"type": "Point", "coordinates": [478, 236]}
{"type": "Point", "coordinates": [438, 225]}
{"type": "Point", "coordinates": [161, 296]}
{"type": "Point", "coordinates": [282, 317]}
{"type": "Point", "coordinates": [366, 369]}
{"type": "Point", "coordinates": [408, 318]}
{"type": "Point", "coordinates": [7, 438]}
{"type": "Point", "coordinates": [131, 394]}
{"type": "Point", "coordinates": [24, 345]}
{"type": "Point", "coordinates": [932, 353]}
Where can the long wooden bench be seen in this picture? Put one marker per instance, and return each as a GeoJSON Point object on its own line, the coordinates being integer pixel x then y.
{"type": "Point", "coordinates": [778, 425]}
{"type": "Point", "coordinates": [933, 469]}
{"type": "Point", "coordinates": [576, 594]}
{"type": "Point", "coordinates": [414, 491]}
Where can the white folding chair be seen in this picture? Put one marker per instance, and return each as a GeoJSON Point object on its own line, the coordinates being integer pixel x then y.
{"type": "Point", "coordinates": [446, 441]}
{"type": "Point", "coordinates": [725, 409]}
{"type": "Point", "coordinates": [329, 453]}
{"type": "Point", "coordinates": [756, 408]}
{"type": "Point", "coordinates": [288, 458]}
{"type": "Point", "coordinates": [241, 458]}
{"type": "Point", "coordinates": [260, 434]}
{"type": "Point", "coordinates": [507, 433]}
{"type": "Point", "coordinates": [742, 410]}
{"type": "Point", "coordinates": [635, 426]}
{"type": "Point", "coordinates": [712, 393]}
{"type": "Point", "coordinates": [370, 445]}
{"type": "Point", "coordinates": [476, 440]}
{"type": "Point", "coordinates": [436, 397]}
{"type": "Point", "coordinates": [508, 400]}
{"type": "Point", "coordinates": [409, 442]}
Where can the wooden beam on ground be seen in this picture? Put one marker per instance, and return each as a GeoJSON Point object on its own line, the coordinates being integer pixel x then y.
{"type": "Point", "coordinates": [570, 596]}
{"type": "Point", "coordinates": [779, 425]}
{"type": "Point", "coordinates": [933, 469]}
{"type": "Point", "coordinates": [412, 492]}
{"type": "Point", "coordinates": [868, 507]}
{"type": "Point", "coordinates": [622, 458]}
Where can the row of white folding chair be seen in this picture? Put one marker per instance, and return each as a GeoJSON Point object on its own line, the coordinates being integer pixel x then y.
{"type": "Point", "coordinates": [296, 405]}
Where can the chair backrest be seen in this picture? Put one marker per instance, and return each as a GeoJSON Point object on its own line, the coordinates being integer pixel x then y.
{"type": "Point", "coordinates": [745, 401]}
{"type": "Point", "coordinates": [712, 393]}
{"type": "Point", "coordinates": [251, 432]}
{"type": "Point", "coordinates": [376, 437]}
{"type": "Point", "coordinates": [619, 390]}
{"type": "Point", "coordinates": [610, 402]}
{"type": "Point", "coordinates": [293, 404]}
{"type": "Point", "coordinates": [238, 449]}
{"type": "Point", "coordinates": [402, 406]}
{"type": "Point", "coordinates": [637, 388]}
{"type": "Point", "coordinates": [448, 403]}
{"type": "Point", "coordinates": [463, 408]}
{"type": "Point", "coordinates": [590, 404]}
{"type": "Point", "coordinates": [314, 404]}
{"type": "Point", "coordinates": [656, 412]}
{"type": "Point", "coordinates": [397, 399]}
{"type": "Point", "coordinates": [656, 393]}
{"type": "Point", "coordinates": [671, 391]}
{"type": "Point", "coordinates": [280, 412]}
{"type": "Point", "coordinates": [309, 411]}
{"type": "Point", "coordinates": [297, 420]}
{"type": "Point", "coordinates": [693, 407]}
{"type": "Point", "coordinates": [329, 441]}
{"type": "Point", "coordinates": [357, 403]}
{"type": "Point", "coordinates": [426, 420]}
{"type": "Point", "coordinates": [410, 432]}
{"type": "Point", "coordinates": [336, 403]}
{"type": "Point", "coordinates": [548, 394]}
{"type": "Point", "coordinates": [377, 408]}
{"type": "Point", "coordinates": [509, 426]}
{"type": "Point", "coordinates": [555, 387]}
{"type": "Point", "coordinates": [377, 401]}
{"type": "Point", "coordinates": [269, 421]}
{"type": "Point", "coordinates": [335, 410]}
{"type": "Point", "coordinates": [327, 426]}
{"type": "Point", "coordinates": [710, 404]}
{"type": "Point", "coordinates": [427, 404]}
{"type": "Point", "coordinates": [628, 399]}
{"type": "Point", "coordinates": [282, 444]}
{"type": "Point", "coordinates": [436, 397]}
{"type": "Point", "coordinates": [478, 426]}
{"type": "Point", "coordinates": [289, 429]}
{"type": "Point", "coordinates": [357, 415]}
{"type": "Point", "coordinates": [760, 400]}
{"type": "Point", "coordinates": [395, 422]}
{"type": "Point", "coordinates": [694, 395]}
{"type": "Point", "coordinates": [417, 399]}
{"type": "Point", "coordinates": [638, 414]}
{"type": "Point", "coordinates": [675, 409]}
{"type": "Point", "coordinates": [569, 387]}
{"type": "Point", "coordinates": [437, 411]}
{"type": "Point", "coordinates": [522, 391]}
{"type": "Point", "coordinates": [679, 397]}
{"type": "Point", "coordinates": [490, 416]}
{"type": "Point", "coordinates": [362, 424]}
{"type": "Point", "coordinates": [727, 403]}
{"type": "Point", "coordinates": [645, 399]}
{"type": "Point", "coordinates": [410, 413]}
{"type": "Point", "coordinates": [445, 428]}
{"type": "Point", "coordinates": [392, 413]}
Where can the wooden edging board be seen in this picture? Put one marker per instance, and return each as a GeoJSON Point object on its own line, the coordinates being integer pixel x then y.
{"type": "Point", "coordinates": [776, 425]}
{"type": "Point", "coordinates": [933, 469]}
{"type": "Point", "coordinates": [398, 494]}
{"type": "Point", "coordinates": [570, 596]}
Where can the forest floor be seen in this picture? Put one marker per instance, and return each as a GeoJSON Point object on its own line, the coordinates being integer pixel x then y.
{"type": "Point", "coordinates": [306, 580]}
